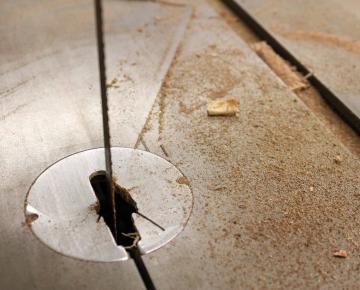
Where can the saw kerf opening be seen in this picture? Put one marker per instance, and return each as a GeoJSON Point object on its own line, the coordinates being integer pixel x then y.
{"type": "Point", "coordinates": [119, 217]}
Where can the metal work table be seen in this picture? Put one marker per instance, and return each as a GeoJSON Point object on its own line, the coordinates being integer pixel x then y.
{"type": "Point", "coordinates": [270, 202]}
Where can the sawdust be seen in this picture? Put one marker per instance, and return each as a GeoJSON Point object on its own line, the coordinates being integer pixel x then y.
{"type": "Point", "coordinates": [280, 67]}
{"type": "Point", "coordinates": [159, 18]}
{"type": "Point", "coordinates": [338, 159]}
{"type": "Point", "coordinates": [222, 83]}
{"type": "Point", "coordinates": [132, 188]}
{"type": "Point", "coordinates": [125, 193]}
{"type": "Point", "coordinates": [126, 78]}
{"type": "Point", "coordinates": [315, 102]}
{"type": "Point", "coordinates": [183, 180]}
{"type": "Point", "coordinates": [343, 42]}
{"type": "Point", "coordinates": [95, 206]}
{"type": "Point", "coordinates": [263, 211]}
{"type": "Point", "coordinates": [164, 90]}
{"type": "Point", "coordinates": [340, 254]}
{"type": "Point", "coordinates": [233, 21]}
{"type": "Point", "coordinates": [30, 218]}
{"type": "Point", "coordinates": [223, 107]}
{"type": "Point", "coordinates": [113, 83]}
{"type": "Point", "coordinates": [289, 213]}
{"type": "Point", "coordinates": [189, 109]}
{"type": "Point", "coordinates": [144, 130]}
{"type": "Point", "coordinates": [162, 107]}
{"type": "Point", "coordinates": [260, 217]}
{"type": "Point", "coordinates": [219, 75]}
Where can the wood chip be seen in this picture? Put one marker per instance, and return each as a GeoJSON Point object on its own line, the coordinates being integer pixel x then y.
{"type": "Point", "coordinates": [340, 254]}
{"type": "Point", "coordinates": [183, 180]}
{"type": "Point", "coordinates": [112, 84]}
{"type": "Point", "coordinates": [223, 107]}
{"type": "Point", "coordinates": [338, 159]}
{"type": "Point", "coordinates": [30, 218]}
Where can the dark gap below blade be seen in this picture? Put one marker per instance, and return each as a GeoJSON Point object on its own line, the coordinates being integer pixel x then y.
{"type": "Point", "coordinates": [127, 234]}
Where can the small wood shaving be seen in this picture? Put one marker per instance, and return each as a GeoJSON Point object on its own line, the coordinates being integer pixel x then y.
{"type": "Point", "coordinates": [136, 238]}
{"type": "Point", "coordinates": [95, 206]}
{"type": "Point", "coordinates": [311, 188]}
{"type": "Point", "coordinates": [223, 107]}
{"type": "Point", "coordinates": [340, 254]}
{"type": "Point", "coordinates": [338, 159]}
{"type": "Point", "coordinates": [309, 74]}
{"type": "Point", "coordinates": [287, 73]}
{"type": "Point", "coordinates": [183, 180]}
{"type": "Point", "coordinates": [112, 84]}
{"type": "Point", "coordinates": [30, 218]}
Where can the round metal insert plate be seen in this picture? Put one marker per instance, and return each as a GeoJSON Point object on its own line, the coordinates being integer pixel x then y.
{"type": "Point", "coordinates": [60, 205]}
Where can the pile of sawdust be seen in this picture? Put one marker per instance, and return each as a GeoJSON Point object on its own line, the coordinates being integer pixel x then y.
{"type": "Point", "coordinates": [346, 43]}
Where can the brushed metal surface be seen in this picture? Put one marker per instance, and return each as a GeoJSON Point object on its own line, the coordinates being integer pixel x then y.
{"type": "Point", "coordinates": [64, 200]}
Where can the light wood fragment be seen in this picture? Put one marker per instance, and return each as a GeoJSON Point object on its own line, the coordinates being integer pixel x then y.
{"type": "Point", "coordinates": [223, 107]}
